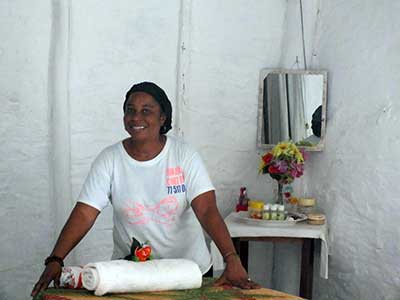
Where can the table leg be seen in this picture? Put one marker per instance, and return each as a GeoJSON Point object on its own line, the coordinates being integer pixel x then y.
{"type": "Point", "coordinates": [242, 249]}
{"type": "Point", "coordinates": [307, 264]}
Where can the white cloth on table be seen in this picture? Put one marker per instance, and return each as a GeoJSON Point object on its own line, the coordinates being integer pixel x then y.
{"type": "Point", "coordinates": [238, 228]}
{"type": "Point", "coordinates": [122, 276]}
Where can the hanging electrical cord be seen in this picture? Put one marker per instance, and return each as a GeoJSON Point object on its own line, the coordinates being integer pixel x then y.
{"type": "Point", "coordinates": [302, 34]}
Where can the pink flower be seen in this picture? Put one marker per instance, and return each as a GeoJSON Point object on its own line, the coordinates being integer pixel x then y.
{"type": "Point", "coordinates": [282, 166]}
{"type": "Point", "coordinates": [296, 169]}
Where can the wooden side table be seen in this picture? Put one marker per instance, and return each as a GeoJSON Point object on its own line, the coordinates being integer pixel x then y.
{"type": "Point", "coordinates": [307, 258]}
{"type": "Point", "coordinates": [243, 232]}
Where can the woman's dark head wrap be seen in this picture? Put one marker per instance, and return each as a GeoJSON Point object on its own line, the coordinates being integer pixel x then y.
{"type": "Point", "coordinates": [316, 121]}
{"type": "Point", "coordinates": [159, 95]}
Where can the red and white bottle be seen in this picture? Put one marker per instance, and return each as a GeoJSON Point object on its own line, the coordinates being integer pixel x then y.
{"type": "Point", "coordinates": [242, 204]}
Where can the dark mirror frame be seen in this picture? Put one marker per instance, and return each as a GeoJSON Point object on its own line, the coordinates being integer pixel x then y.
{"type": "Point", "coordinates": [260, 124]}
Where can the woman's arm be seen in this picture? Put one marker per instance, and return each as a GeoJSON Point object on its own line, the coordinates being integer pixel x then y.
{"type": "Point", "coordinates": [78, 224]}
{"type": "Point", "coordinates": [210, 219]}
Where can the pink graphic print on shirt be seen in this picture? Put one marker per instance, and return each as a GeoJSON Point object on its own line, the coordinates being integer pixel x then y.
{"type": "Point", "coordinates": [164, 212]}
{"type": "Point", "coordinates": [175, 180]}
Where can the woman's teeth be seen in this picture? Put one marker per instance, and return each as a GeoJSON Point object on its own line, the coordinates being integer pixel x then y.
{"type": "Point", "coordinates": [137, 127]}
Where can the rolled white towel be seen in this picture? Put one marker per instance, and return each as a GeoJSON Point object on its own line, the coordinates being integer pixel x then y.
{"type": "Point", "coordinates": [122, 276]}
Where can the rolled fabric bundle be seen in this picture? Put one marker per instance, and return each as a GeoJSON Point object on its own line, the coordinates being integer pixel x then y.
{"type": "Point", "coordinates": [122, 276]}
{"type": "Point", "coordinates": [71, 277]}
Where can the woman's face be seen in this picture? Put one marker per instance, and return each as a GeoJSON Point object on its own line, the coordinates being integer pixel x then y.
{"type": "Point", "coordinates": [143, 117]}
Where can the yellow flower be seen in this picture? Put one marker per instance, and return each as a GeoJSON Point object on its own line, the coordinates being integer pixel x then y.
{"type": "Point", "coordinates": [280, 149]}
{"type": "Point", "coordinates": [289, 150]}
{"type": "Point", "coordinates": [261, 166]}
{"type": "Point", "coordinates": [299, 156]}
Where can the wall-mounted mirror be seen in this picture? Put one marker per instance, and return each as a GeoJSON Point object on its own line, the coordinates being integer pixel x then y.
{"type": "Point", "coordinates": [292, 106]}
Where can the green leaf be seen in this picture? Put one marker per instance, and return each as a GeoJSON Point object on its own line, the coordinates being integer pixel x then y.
{"type": "Point", "coordinates": [135, 244]}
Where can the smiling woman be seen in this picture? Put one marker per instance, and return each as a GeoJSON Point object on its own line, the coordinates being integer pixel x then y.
{"type": "Point", "coordinates": [159, 96]}
{"type": "Point", "coordinates": [147, 117]}
{"type": "Point", "coordinates": [160, 191]}
{"type": "Point", "coordinates": [143, 120]}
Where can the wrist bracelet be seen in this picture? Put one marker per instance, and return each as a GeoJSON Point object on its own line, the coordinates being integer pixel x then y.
{"type": "Point", "coordinates": [230, 254]}
{"type": "Point", "coordinates": [52, 258]}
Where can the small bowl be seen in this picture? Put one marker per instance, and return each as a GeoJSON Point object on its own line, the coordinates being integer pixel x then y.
{"type": "Point", "coordinates": [316, 219]}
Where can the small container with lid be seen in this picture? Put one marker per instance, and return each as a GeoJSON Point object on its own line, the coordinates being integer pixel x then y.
{"type": "Point", "coordinates": [267, 212]}
{"type": "Point", "coordinates": [274, 212]}
{"type": "Point", "coordinates": [316, 219]}
{"type": "Point", "coordinates": [281, 215]}
{"type": "Point", "coordinates": [256, 209]}
{"type": "Point", "coordinates": [306, 205]}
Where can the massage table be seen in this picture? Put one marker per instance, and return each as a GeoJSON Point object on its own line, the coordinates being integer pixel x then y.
{"type": "Point", "coordinates": [206, 292]}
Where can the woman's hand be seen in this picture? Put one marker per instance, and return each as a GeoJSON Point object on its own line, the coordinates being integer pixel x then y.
{"type": "Point", "coordinates": [205, 208]}
{"type": "Point", "coordinates": [51, 273]}
{"type": "Point", "coordinates": [78, 224]}
{"type": "Point", "coordinates": [236, 275]}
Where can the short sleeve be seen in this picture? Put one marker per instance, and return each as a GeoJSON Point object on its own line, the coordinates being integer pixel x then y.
{"type": "Point", "coordinates": [197, 179]}
{"type": "Point", "coordinates": [96, 190]}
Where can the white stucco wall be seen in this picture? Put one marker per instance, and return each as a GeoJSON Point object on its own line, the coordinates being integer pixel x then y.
{"type": "Point", "coordinates": [135, 41]}
{"type": "Point", "coordinates": [219, 109]}
{"type": "Point", "coordinates": [66, 65]}
{"type": "Point", "coordinates": [355, 178]}
{"type": "Point", "coordinates": [26, 212]}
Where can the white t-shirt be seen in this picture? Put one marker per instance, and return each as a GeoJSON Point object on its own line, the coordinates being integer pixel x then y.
{"type": "Point", "coordinates": [151, 200]}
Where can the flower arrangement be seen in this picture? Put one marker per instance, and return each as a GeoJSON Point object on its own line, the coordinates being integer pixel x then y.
{"type": "Point", "coordinates": [284, 163]}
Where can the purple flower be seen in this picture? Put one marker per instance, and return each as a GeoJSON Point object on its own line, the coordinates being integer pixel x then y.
{"type": "Point", "coordinates": [281, 165]}
{"type": "Point", "coordinates": [296, 169]}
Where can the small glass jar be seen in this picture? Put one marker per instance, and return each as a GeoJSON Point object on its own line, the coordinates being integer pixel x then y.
{"type": "Point", "coordinates": [293, 204]}
{"type": "Point", "coordinates": [267, 212]}
{"type": "Point", "coordinates": [274, 212]}
{"type": "Point", "coordinates": [281, 215]}
{"type": "Point", "coordinates": [256, 209]}
{"type": "Point", "coordinates": [306, 205]}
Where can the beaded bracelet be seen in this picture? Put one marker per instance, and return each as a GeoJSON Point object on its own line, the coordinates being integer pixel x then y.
{"type": "Point", "coordinates": [54, 258]}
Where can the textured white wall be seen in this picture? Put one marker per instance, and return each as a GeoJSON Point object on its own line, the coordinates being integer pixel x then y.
{"type": "Point", "coordinates": [26, 211]}
{"type": "Point", "coordinates": [356, 177]}
{"type": "Point", "coordinates": [64, 74]}
{"type": "Point", "coordinates": [65, 66]}
{"type": "Point", "coordinates": [219, 108]}
{"type": "Point", "coordinates": [111, 48]}
{"type": "Point", "coordinates": [226, 45]}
